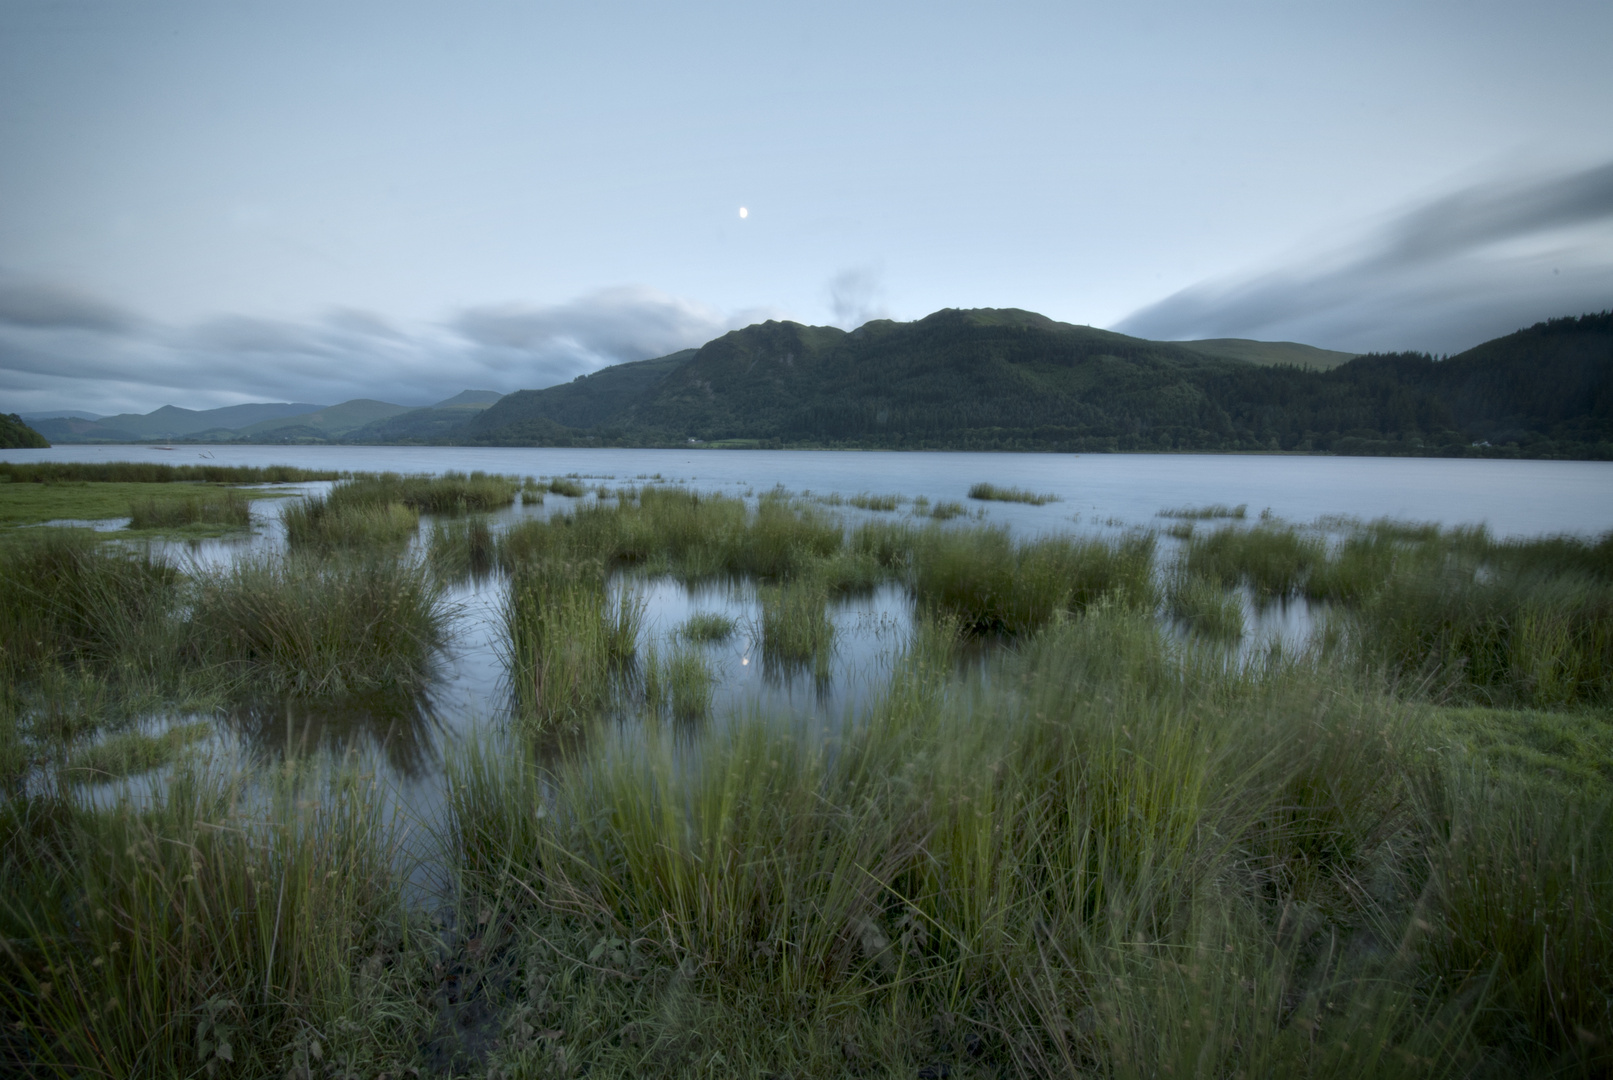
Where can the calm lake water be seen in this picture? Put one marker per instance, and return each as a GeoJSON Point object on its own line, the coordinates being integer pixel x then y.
{"type": "Point", "coordinates": [1102, 494]}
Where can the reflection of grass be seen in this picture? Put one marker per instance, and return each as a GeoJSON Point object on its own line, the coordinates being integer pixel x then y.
{"type": "Point", "coordinates": [130, 752]}
{"type": "Point", "coordinates": [707, 626]}
{"type": "Point", "coordinates": [1009, 494]}
{"type": "Point", "coordinates": [462, 548]}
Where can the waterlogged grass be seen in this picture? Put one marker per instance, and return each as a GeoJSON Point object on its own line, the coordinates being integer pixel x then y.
{"type": "Point", "coordinates": [443, 493]}
{"type": "Point", "coordinates": [1115, 854]}
{"type": "Point", "coordinates": [30, 504]}
{"type": "Point", "coordinates": [1272, 559]}
{"type": "Point", "coordinates": [680, 685]}
{"type": "Point", "coordinates": [323, 524]}
{"type": "Point", "coordinates": [225, 507]}
{"type": "Point", "coordinates": [795, 626]}
{"type": "Point", "coordinates": [315, 627]}
{"type": "Point", "coordinates": [704, 626]}
{"type": "Point", "coordinates": [182, 935]}
{"type": "Point", "coordinates": [995, 493]}
{"type": "Point", "coordinates": [1206, 513]}
{"type": "Point", "coordinates": [1120, 861]}
{"type": "Point", "coordinates": [1206, 606]}
{"type": "Point", "coordinates": [865, 501]}
{"type": "Point", "coordinates": [567, 642]}
{"type": "Point", "coordinates": [993, 584]}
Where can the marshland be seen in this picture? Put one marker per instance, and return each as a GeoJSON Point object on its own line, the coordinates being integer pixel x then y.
{"type": "Point", "coordinates": [598, 764]}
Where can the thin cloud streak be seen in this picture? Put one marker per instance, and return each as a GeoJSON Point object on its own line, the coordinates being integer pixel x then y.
{"type": "Point", "coordinates": [60, 349]}
{"type": "Point", "coordinates": [1440, 277]}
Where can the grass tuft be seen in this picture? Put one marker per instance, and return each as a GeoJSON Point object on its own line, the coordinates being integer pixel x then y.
{"type": "Point", "coordinates": [1009, 494]}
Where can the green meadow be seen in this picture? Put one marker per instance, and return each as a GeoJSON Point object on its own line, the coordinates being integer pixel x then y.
{"type": "Point", "coordinates": [1083, 826]}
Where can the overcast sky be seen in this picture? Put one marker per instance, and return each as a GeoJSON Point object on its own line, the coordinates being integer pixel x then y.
{"type": "Point", "coordinates": [203, 203]}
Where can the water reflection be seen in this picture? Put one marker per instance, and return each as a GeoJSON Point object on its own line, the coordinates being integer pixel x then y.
{"type": "Point", "coordinates": [402, 729]}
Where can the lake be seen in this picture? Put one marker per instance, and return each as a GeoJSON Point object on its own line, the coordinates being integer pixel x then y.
{"type": "Point", "coordinates": [1511, 498]}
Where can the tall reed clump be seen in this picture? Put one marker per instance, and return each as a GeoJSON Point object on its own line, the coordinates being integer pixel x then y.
{"type": "Point", "coordinates": [1206, 606]}
{"type": "Point", "coordinates": [1111, 861]}
{"type": "Point", "coordinates": [67, 599]}
{"type": "Point", "coordinates": [223, 506]}
{"type": "Point", "coordinates": [565, 640]}
{"type": "Point", "coordinates": [443, 493]}
{"type": "Point", "coordinates": [681, 683]}
{"type": "Point", "coordinates": [1534, 637]}
{"type": "Point", "coordinates": [1274, 560]}
{"type": "Point", "coordinates": [462, 548]}
{"type": "Point", "coordinates": [992, 583]}
{"type": "Point", "coordinates": [324, 524]}
{"type": "Point", "coordinates": [303, 626]}
{"type": "Point", "coordinates": [796, 628]}
{"type": "Point", "coordinates": [180, 935]}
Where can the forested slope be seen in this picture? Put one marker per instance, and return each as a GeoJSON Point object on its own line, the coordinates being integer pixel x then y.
{"type": "Point", "coordinates": [1014, 380]}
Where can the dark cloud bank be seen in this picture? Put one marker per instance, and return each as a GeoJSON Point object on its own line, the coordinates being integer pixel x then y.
{"type": "Point", "coordinates": [1441, 277]}
{"type": "Point", "coordinates": [60, 349]}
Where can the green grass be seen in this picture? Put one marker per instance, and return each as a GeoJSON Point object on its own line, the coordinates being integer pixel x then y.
{"type": "Point", "coordinates": [1206, 606]}
{"type": "Point", "coordinates": [796, 628]}
{"type": "Point", "coordinates": [1274, 560]}
{"type": "Point", "coordinates": [1111, 859]}
{"type": "Point", "coordinates": [993, 584]}
{"type": "Point", "coordinates": [567, 642]}
{"type": "Point", "coordinates": [225, 507]}
{"type": "Point", "coordinates": [680, 684]}
{"type": "Point", "coordinates": [946, 510]}
{"type": "Point", "coordinates": [319, 627]}
{"type": "Point", "coordinates": [180, 934]}
{"type": "Point", "coordinates": [83, 500]}
{"type": "Point", "coordinates": [323, 524]}
{"type": "Point", "coordinates": [865, 501]}
{"type": "Point", "coordinates": [1009, 494]}
{"type": "Point", "coordinates": [444, 493]}
{"type": "Point", "coordinates": [132, 472]}
{"type": "Point", "coordinates": [706, 626]}
{"type": "Point", "coordinates": [571, 489]}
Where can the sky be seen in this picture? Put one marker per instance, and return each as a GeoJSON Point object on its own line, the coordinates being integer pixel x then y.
{"type": "Point", "coordinates": [208, 202]}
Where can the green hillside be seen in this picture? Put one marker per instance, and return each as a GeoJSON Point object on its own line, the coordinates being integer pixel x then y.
{"type": "Point", "coordinates": [1271, 352]}
{"type": "Point", "coordinates": [17, 435]}
{"type": "Point", "coordinates": [1015, 380]}
{"type": "Point", "coordinates": [335, 421]}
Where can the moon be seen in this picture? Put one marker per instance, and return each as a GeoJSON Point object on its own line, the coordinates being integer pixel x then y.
{"type": "Point", "coordinates": [744, 213]}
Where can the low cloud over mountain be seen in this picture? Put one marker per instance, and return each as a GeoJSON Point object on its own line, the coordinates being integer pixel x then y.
{"type": "Point", "coordinates": [63, 349]}
{"type": "Point", "coordinates": [1440, 277]}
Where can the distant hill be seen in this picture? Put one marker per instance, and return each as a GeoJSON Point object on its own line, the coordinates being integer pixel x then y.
{"type": "Point", "coordinates": [1015, 380]}
{"type": "Point", "coordinates": [469, 397]}
{"type": "Point", "coordinates": [168, 422]}
{"type": "Point", "coordinates": [329, 423]}
{"type": "Point", "coordinates": [1271, 352]}
{"type": "Point", "coordinates": [72, 414]}
{"type": "Point", "coordinates": [424, 426]}
{"type": "Point", "coordinates": [15, 434]}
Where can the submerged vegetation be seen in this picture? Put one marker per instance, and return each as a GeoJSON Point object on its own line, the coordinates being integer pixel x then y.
{"type": "Point", "coordinates": [1106, 848]}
